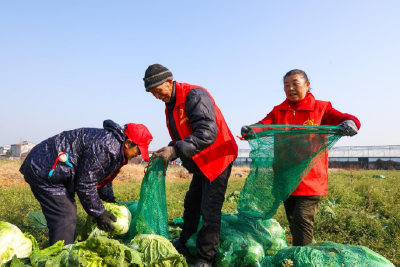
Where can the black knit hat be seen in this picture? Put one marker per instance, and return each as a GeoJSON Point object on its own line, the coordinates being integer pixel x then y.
{"type": "Point", "coordinates": [155, 75]}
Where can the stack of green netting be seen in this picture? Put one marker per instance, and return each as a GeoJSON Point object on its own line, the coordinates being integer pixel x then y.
{"type": "Point", "coordinates": [327, 254]}
{"type": "Point", "coordinates": [150, 213]}
{"type": "Point", "coordinates": [244, 241]}
{"type": "Point", "coordinates": [281, 157]}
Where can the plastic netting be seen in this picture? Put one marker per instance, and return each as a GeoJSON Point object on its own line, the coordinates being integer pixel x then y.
{"type": "Point", "coordinates": [281, 156]}
{"type": "Point", "coordinates": [326, 254]}
{"type": "Point", "coordinates": [150, 213]}
{"type": "Point", "coordinates": [244, 241]}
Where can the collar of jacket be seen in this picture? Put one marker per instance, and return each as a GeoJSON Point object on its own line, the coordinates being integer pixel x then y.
{"type": "Point", "coordinates": [308, 104]}
{"type": "Point", "coordinates": [173, 97]}
{"type": "Point", "coordinates": [118, 132]}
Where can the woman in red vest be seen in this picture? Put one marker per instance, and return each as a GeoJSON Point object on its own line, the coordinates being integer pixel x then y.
{"type": "Point", "coordinates": [207, 148]}
{"type": "Point", "coordinates": [301, 108]}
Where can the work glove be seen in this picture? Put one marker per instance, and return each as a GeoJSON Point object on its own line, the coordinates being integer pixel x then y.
{"type": "Point", "coordinates": [104, 221]}
{"type": "Point", "coordinates": [245, 129]}
{"type": "Point", "coordinates": [348, 128]}
{"type": "Point", "coordinates": [167, 153]}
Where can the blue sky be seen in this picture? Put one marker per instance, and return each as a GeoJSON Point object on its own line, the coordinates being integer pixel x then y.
{"type": "Point", "coordinates": [72, 64]}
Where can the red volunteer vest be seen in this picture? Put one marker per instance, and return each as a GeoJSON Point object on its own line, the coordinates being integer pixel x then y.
{"type": "Point", "coordinates": [310, 112]}
{"type": "Point", "coordinates": [213, 160]}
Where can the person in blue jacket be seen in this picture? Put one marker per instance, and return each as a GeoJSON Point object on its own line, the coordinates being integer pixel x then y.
{"type": "Point", "coordinates": [82, 161]}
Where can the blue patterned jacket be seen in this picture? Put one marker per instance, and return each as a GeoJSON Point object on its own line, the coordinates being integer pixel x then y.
{"type": "Point", "coordinates": [94, 154]}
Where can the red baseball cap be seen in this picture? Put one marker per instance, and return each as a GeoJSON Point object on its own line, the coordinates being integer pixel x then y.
{"type": "Point", "coordinates": [140, 135]}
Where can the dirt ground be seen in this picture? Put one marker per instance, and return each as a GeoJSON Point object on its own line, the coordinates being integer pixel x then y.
{"type": "Point", "coordinates": [10, 175]}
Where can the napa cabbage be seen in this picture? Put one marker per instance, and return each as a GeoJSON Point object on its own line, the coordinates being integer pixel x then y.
{"type": "Point", "coordinates": [13, 242]}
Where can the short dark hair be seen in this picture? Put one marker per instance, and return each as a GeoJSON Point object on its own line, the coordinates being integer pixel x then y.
{"type": "Point", "coordinates": [296, 71]}
{"type": "Point", "coordinates": [132, 144]}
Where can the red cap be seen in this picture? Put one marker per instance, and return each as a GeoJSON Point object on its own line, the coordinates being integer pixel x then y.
{"type": "Point", "coordinates": [140, 135]}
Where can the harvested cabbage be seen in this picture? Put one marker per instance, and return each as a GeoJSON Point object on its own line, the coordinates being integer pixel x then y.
{"type": "Point", "coordinates": [121, 226]}
{"type": "Point", "coordinates": [102, 251]}
{"type": "Point", "coordinates": [158, 251]}
{"type": "Point", "coordinates": [13, 242]}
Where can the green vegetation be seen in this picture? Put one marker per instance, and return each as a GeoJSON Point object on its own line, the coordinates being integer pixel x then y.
{"type": "Point", "coordinates": [359, 210]}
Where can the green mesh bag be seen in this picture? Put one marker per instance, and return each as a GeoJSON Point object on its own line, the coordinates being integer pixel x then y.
{"type": "Point", "coordinates": [150, 216]}
{"type": "Point", "coordinates": [244, 241]}
{"type": "Point", "coordinates": [281, 156]}
{"type": "Point", "coordinates": [326, 254]}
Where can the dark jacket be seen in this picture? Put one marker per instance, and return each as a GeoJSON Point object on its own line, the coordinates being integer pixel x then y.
{"type": "Point", "coordinates": [201, 113]}
{"type": "Point", "coordinates": [94, 154]}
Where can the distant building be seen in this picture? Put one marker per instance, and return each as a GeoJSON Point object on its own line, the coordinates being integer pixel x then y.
{"type": "Point", "coordinates": [22, 149]}
{"type": "Point", "coordinates": [3, 151]}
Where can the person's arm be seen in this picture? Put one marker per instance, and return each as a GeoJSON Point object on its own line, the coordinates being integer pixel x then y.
{"type": "Point", "coordinates": [106, 193]}
{"type": "Point", "coordinates": [269, 119]}
{"type": "Point", "coordinates": [335, 117]}
{"type": "Point", "coordinates": [201, 113]}
{"type": "Point", "coordinates": [87, 177]}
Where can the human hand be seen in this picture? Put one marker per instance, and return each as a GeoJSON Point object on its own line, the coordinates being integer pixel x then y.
{"type": "Point", "coordinates": [348, 128]}
{"type": "Point", "coordinates": [167, 153]}
{"type": "Point", "coordinates": [104, 221]}
{"type": "Point", "coordinates": [245, 129]}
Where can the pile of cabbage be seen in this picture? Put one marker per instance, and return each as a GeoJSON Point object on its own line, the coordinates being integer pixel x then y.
{"type": "Point", "coordinates": [93, 247]}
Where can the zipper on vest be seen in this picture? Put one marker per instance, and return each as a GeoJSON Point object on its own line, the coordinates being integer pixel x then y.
{"type": "Point", "coordinates": [294, 113]}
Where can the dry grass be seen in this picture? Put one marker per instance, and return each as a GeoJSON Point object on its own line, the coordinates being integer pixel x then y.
{"type": "Point", "coordinates": [10, 175]}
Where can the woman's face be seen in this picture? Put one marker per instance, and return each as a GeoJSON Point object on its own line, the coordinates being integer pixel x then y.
{"type": "Point", "coordinates": [296, 87]}
{"type": "Point", "coordinates": [130, 152]}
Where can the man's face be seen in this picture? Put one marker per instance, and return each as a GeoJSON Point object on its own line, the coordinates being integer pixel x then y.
{"type": "Point", "coordinates": [163, 91]}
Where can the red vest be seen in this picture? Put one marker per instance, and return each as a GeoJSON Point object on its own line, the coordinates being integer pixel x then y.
{"type": "Point", "coordinates": [213, 160]}
{"type": "Point", "coordinates": [310, 112]}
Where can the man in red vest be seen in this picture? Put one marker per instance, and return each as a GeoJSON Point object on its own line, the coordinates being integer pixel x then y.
{"type": "Point", "coordinates": [202, 140]}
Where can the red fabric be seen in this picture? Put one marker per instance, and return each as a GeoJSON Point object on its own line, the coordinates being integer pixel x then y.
{"type": "Point", "coordinates": [140, 135]}
{"type": "Point", "coordinates": [111, 177]}
{"type": "Point", "coordinates": [310, 112]}
{"type": "Point", "coordinates": [213, 160]}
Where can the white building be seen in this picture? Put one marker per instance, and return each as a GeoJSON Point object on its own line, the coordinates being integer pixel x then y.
{"type": "Point", "coordinates": [22, 149]}
{"type": "Point", "coordinates": [3, 151]}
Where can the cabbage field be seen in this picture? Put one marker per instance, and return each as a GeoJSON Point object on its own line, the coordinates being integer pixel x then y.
{"type": "Point", "coordinates": [359, 210]}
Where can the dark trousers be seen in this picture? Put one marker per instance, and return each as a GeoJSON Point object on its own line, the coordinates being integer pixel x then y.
{"type": "Point", "coordinates": [60, 213]}
{"type": "Point", "coordinates": [205, 198]}
{"type": "Point", "coordinates": [300, 212]}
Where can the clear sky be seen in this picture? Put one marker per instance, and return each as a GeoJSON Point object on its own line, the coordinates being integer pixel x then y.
{"type": "Point", "coordinates": [73, 64]}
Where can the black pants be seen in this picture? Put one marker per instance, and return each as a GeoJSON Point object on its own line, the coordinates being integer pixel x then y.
{"type": "Point", "coordinates": [205, 198]}
{"type": "Point", "coordinates": [300, 212]}
{"type": "Point", "coordinates": [60, 213]}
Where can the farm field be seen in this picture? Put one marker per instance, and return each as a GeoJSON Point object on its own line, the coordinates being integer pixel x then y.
{"type": "Point", "coordinates": [359, 210]}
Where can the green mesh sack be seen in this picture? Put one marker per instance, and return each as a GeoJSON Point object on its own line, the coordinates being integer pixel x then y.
{"type": "Point", "coordinates": [327, 254]}
{"type": "Point", "coordinates": [244, 241]}
{"type": "Point", "coordinates": [151, 215]}
{"type": "Point", "coordinates": [281, 156]}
